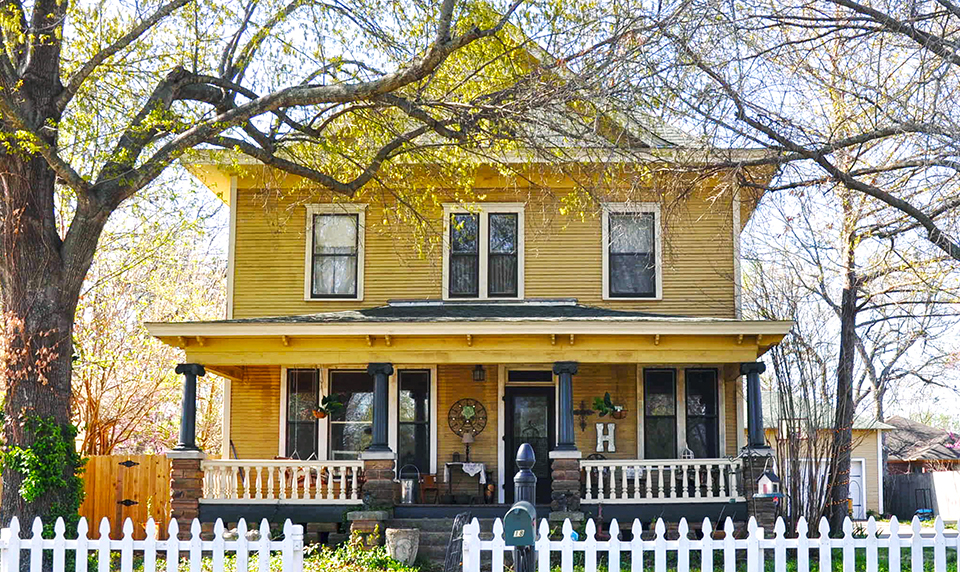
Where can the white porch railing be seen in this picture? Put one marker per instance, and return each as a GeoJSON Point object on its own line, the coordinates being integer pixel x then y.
{"type": "Point", "coordinates": [660, 481]}
{"type": "Point", "coordinates": [285, 481]}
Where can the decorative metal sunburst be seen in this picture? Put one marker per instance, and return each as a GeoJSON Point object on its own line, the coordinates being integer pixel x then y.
{"type": "Point", "coordinates": [467, 416]}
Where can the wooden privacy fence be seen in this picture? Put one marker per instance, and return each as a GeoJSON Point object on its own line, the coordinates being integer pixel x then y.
{"type": "Point", "coordinates": [120, 487]}
{"type": "Point", "coordinates": [709, 554]}
{"type": "Point", "coordinates": [40, 554]}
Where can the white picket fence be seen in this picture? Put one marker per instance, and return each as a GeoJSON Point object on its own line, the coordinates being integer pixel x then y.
{"type": "Point", "coordinates": [716, 554]}
{"type": "Point", "coordinates": [170, 551]}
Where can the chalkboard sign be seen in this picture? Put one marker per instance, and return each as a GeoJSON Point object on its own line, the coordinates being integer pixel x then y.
{"type": "Point", "coordinates": [454, 560]}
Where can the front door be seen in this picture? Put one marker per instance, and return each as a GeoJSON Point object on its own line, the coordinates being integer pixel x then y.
{"type": "Point", "coordinates": [530, 419]}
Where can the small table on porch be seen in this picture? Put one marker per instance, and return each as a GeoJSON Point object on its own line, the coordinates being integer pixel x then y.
{"type": "Point", "coordinates": [471, 469]}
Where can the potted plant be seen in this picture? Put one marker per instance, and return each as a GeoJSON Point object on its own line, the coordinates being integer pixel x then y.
{"type": "Point", "coordinates": [605, 406]}
{"type": "Point", "coordinates": [328, 406]}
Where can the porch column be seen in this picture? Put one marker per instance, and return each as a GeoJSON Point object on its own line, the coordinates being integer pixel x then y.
{"type": "Point", "coordinates": [186, 459]}
{"type": "Point", "coordinates": [379, 490]}
{"type": "Point", "coordinates": [381, 406]}
{"type": "Point", "coordinates": [566, 440]}
{"type": "Point", "coordinates": [565, 458]}
{"type": "Point", "coordinates": [188, 407]}
{"type": "Point", "coordinates": [755, 437]}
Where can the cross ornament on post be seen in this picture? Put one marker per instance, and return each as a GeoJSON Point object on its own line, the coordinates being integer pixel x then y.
{"type": "Point", "coordinates": [583, 412]}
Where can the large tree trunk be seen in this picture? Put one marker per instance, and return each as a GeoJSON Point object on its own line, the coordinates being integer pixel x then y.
{"type": "Point", "coordinates": [843, 424]}
{"type": "Point", "coordinates": [39, 301]}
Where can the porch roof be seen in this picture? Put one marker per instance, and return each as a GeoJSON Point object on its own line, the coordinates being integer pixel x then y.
{"type": "Point", "coordinates": [433, 332]}
{"type": "Point", "coordinates": [428, 317]}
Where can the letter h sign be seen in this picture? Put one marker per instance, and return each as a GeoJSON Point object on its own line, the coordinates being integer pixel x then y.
{"type": "Point", "coordinates": [607, 438]}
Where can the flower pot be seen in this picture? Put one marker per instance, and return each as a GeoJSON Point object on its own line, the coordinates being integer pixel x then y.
{"type": "Point", "coordinates": [319, 414]}
{"type": "Point", "coordinates": [622, 414]}
{"type": "Point", "coordinates": [403, 543]}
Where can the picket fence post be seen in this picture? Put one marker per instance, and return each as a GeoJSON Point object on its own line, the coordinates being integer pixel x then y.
{"type": "Point", "coordinates": [729, 546]}
{"type": "Point", "coordinates": [471, 546]}
{"type": "Point", "coordinates": [706, 547]}
{"type": "Point", "coordinates": [893, 551]}
{"type": "Point", "coordinates": [826, 554]}
{"type": "Point", "coordinates": [660, 547]}
{"type": "Point", "coordinates": [872, 555]}
{"type": "Point", "coordinates": [149, 546]}
{"type": "Point", "coordinates": [916, 547]}
{"type": "Point", "coordinates": [590, 546]}
{"type": "Point", "coordinates": [543, 547]}
{"type": "Point", "coordinates": [636, 547]}
{"type": "Point", "coordinates": [803, 545]}
{"type": "Point", "coordinates": [753, 546]}
{"type": "Point", "coordinates": [779, 546]}
{"type": "Point", "coordinates": [613, 556]}
{"type": "Point", "coordinates": [499, 546]}
{"type": "Point", "coordinates": [683, 546]}
{"type": "Point", "coordinates": [566, 547]}
{"type": "Point", "coordinates": [82, 545]}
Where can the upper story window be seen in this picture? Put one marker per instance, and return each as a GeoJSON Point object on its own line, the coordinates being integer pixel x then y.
{"type": "Point", "coordinates": [632, 267]}
{"type": "Point", "coordinates": [483, 252]}
{"type": "Point", "coordinates": [334, 265]}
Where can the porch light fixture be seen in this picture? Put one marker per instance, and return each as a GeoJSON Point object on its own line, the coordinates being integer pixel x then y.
{"type": "Point", "coordinates": [479, 374]}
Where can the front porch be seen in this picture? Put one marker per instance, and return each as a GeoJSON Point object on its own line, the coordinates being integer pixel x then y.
{"type": "Point", "coordinates": [454, 400]}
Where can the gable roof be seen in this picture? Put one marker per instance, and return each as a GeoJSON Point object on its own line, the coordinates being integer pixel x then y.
{"type": "Point", "coordinates": [914, 441]}
{"type": "Point", "coordinates": [823, 412]}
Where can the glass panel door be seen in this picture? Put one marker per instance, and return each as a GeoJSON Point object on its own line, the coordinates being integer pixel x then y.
{"type": "Point", "coordinates": [530, 419]}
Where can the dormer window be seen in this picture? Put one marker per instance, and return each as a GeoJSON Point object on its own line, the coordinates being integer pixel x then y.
{"type": "Point", "coordinates": [631, 252]}
{"type": "Point", "coordinates": [483, 251]}
{"type": "Point", "coordinates": [334, 265]}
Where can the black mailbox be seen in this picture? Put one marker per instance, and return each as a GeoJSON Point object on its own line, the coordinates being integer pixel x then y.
{"type": "Point", "coordinates": [519, 525]}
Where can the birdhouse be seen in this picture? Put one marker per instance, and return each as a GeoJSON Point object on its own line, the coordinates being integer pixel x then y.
{"type": "Point", "coordinates": [768, 485]}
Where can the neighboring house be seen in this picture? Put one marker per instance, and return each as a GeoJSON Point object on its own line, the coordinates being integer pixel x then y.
{"type": "Point", "coordinates": [866, 459]}
{"type": "Point", "coordinates": [503, 333]}
{"type": "Point", "coordinates": [912, 447]}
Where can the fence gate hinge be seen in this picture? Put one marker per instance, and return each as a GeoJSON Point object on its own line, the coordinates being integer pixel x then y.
{"type": "Point", "coordinates": [128, 463]}
{"type": "Point", "coordinates": [127, 502]}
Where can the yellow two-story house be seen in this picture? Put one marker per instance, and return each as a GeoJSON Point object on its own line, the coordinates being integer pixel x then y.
{"type": "Point", "coordinates": [609, 339]}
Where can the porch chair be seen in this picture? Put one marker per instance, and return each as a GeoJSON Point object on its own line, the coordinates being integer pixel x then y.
{"type": "Point", "coordinates": [428, 484]}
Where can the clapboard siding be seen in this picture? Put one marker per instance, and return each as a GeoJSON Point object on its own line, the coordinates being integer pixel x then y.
{"type": "Point", "coordinates": [563, 255]}
{"type": "Point", "coordinates": [255, 413]}
{"type": "Point", "coordinates": [455, 382]}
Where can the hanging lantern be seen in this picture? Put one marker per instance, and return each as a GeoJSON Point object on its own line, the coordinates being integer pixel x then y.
{"type": "Point", "coordinates": [479, 374]}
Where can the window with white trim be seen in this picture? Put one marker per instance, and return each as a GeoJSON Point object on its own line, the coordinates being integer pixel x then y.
{"type": "Point", "coordinates": [334, 264]}
{"type": "Point", "coordinates": [483, 251]}
{"type": "Point", "coordinates": [631, 252]}
{"type": "Point", "coordinates": [351, 427]}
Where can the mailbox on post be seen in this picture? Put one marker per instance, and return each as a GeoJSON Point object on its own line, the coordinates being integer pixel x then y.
{"type": "Point", "coordinates": [519, 525]}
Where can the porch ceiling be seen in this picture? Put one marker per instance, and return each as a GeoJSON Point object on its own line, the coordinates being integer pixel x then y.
{"type": "Point", "coordinates": [472, 334]}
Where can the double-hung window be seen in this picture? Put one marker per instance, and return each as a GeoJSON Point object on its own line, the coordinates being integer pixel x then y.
{"type": "Point", "coordinates": [351, 427]}
{"type": "Point", "coordinates": [334, 267]}
{"type": "Point", "coordinates": [660, 413]}
{"type": "Point", "coordinates": [483, 251]}
{"type": "Point", "coordinates": [631, 251]}
{"type": "Point", "coordinates": [703, 415]}
{"type": "Point", "coordinates": [413, 419]}
{"type": "Point", "coordinates": [303, 397]}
